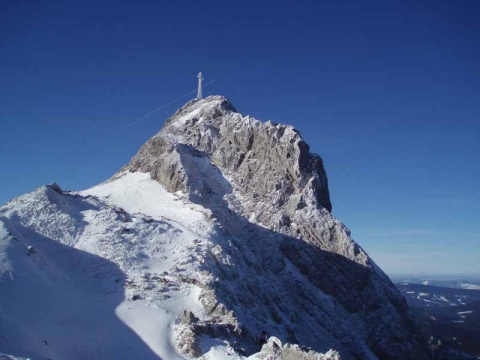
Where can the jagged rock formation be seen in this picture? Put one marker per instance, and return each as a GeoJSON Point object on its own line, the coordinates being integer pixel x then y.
{"type": "Point", "coordinates": [269, 194]}
{"type": "Point", "coordinates": [274, 349]}
{"type": "Point", "coordinates": [233, 241]}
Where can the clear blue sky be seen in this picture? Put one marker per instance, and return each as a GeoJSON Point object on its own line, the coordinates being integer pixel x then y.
{"type": "Point", "coordinates": [387, 92]}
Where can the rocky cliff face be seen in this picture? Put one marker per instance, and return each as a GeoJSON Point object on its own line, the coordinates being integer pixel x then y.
{"type": "Point", "coordinates": [288, 267]}
{"type": "Point", "coordinates": [215, 237]}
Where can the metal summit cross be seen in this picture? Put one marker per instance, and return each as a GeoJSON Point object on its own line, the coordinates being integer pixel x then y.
{"type": "Point", "coordinates": [199, 92]}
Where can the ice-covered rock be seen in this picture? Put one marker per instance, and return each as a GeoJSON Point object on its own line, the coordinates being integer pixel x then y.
{"type": "Point", "coordinates": [275, 350]}
{"type": "Point", "coordinates": [216, 235]}
{"type": "Point", "coordinates": [288, 261]}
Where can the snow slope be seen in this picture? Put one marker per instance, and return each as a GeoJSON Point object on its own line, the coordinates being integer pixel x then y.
{"type": "Point", "coordinates": [216, 235]}
{"type": "Point", "coordinates": [74, 295]}
{"type": "Point", "coordinates": [268, 195]}
{"type": "Point", "coordinates": [112, 282]}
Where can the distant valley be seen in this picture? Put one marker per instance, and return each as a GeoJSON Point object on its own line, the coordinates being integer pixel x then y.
{"type": "Point", "coordinates": [447, 310]}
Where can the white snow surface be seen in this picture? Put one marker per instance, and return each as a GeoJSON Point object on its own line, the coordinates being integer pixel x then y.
{"type": "Point", "coordinates": [470, 286]}
{"type": "Point", "coordinates": [80, 287]}
{"type": "Point", "coordinates": [138, 193]}
{"type": "Point", "coordinates": [108, 272]}
{"type": "Point", "coordinates": [112, 282]}
{"type": "Point", "coordinates": [464, 312]}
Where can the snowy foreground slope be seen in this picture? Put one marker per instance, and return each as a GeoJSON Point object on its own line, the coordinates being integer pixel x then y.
{"type": "Point", "coordinates": [216, 235]}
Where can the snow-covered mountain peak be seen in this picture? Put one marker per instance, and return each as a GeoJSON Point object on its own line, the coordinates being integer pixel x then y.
{"type": "Point", "coordinates": [216, 235]}
{"type": "Point", "coordinates": [260, 178]}
{"type": "Point", "coordinates": [269, 167]}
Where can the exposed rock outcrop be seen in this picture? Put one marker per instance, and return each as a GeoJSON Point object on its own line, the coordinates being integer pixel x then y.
{"type": "Point", "coordinates": [269, 195]}
{"type": "Point", "coordinates": [275, 350]}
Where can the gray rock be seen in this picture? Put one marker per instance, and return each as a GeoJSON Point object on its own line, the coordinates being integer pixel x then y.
{"type": "Point", "coordinates": [188, 318]}
{"type": "Point", "coordinates": [55, 187]}
{"type": "Point", "coordinates": [298, 274]}
{"type": "Point", "coordinates": [274, 350]}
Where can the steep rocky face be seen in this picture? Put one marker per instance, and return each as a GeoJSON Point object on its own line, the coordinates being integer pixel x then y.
{"type": "Point", "coordinates": [268, 195]}
{"type": "Point", "coordinates": [273, 178]}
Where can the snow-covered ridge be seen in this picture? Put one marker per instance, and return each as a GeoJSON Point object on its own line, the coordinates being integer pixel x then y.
{"type": "Point", "coordinates": [215, 236]}
{"type": "Point", "coordinates": [144, 272]}
{"type": "Point", "coordinates": [138, 193]}
{"type": "Point", "coordinates": [137, 255]}
{"type": "Point", "coordinates": [261, 178]}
